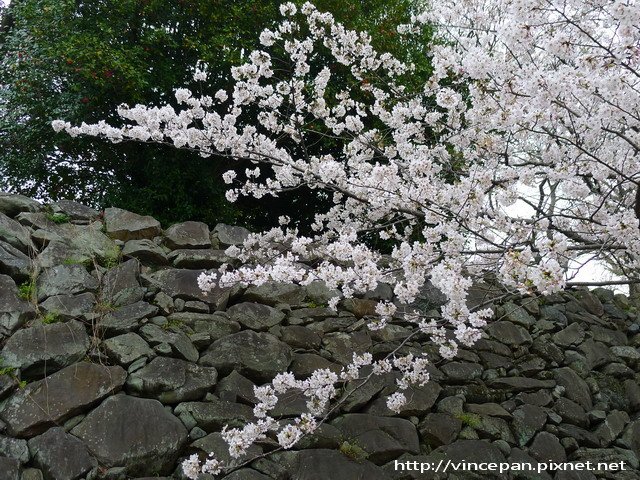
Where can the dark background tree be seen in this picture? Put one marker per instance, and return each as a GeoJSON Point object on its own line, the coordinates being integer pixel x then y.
{"type": "Point", "coordinates": [78, 60]}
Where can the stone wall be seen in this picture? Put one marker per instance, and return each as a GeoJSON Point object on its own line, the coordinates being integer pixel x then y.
{"type": "Point", "coordinates": [116, 366]}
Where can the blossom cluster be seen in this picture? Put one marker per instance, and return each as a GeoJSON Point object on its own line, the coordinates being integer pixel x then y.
{"type": "Point", "coordinates": [518, 155]}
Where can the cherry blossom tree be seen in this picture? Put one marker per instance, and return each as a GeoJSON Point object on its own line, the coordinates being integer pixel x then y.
{"type": "Point", "coordinates": [518, 156]}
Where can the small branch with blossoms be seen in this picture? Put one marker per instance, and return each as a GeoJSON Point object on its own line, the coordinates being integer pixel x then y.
{"type": "Point", "coordinates": [320, 389]}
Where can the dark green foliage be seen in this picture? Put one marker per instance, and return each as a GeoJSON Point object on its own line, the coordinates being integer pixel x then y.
{"type": "Point", "coordinates": [78, 60]}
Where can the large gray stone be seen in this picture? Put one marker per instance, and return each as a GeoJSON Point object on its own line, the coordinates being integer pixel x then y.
{"type": "Point", "coordinates": [342, 345]}
{"type": "Point", "coordinates": [255, 316]}
{"type": "Point", "coordinates": [43, 349]}
{"type": "Point", "coordinates": [146, 251]}
{"type": "Point", "coordinates": [69, 242]}
{"type": "Point", "coordinates": [214, 442]}
{"type": "Point", "coordinates": [575, 387]}
{"type": "Point", "coordinates": [546, 447]}
{"type": "Point", "coordinates": [230, 235]}
{"type": "Point", "coordinates": [187, 235]}
{"type": "Point", "coordinates": [520, 457]}
{"type": "Point", "coordinates": [572, 335]}
{"type": "Point", "coordinates": [64, 280]}
{"type": "Point", "coordinates": [9, 469]}
{"type": "Point", "coordinates": [126, 318]}
{"type": "Point", "coordinates": [124, 225]}
{"type": "Point", "coordinates": [180, 344]}
{"type": "Point", "coordinates": [571, 412]}
{"type": "Point", "coordinates": [120, 285]}
{"type": "Point", "coordinates": [215, 414]}
{"type": "Point", "coordinates": [60, 396]}
{"type": "Point", "coordinates": [463, 372]}
{"type": "Point", "coordinates": [215, 326]}
{"type": "Point", "coordinates": [297, 336]}
{"type": "Point", "coordinates": [527, 421]}
{"type": "Point", "coordinates": [136, 433]}
{"type": "Point", "coordinates": [320, 464]}
{"type": "Point", "coordinates": [612, 427]}
{"type": "Point", "coordinates": [12, 204]}
{"type": "Point", "coordinates": [383, 438]}
{"type": "Point", "coordinates": [14, 311]}
{"type": "Point", "coordinates": [517, 315]}
{"type": "Point", "coordinates": [14, 263]}
{"type": "Point", "coordinates": [596, 354]}
{"type": "Point", "coordinates": [183, 283]}
{"type": "Point", "coordinates": [246, 474]}
{"type": "Point", "coordinates": [236, 388]}
{"type": "Point", "coordinates": [509, 333]}
{"type": "Point", "coordinates": [200, 259]}
{"type": "Point", "coordinates": [488, 409]}
{"type": "Point", "coordinates": [171, 380]}
{"type": "Point", "coordinates": [14, 448]}
{"type": "Point", "coordinates": [467, 451]}
{"type": "Point", "coordinates": [631, 437]}
{"type": "Point", "coordinates": [8, 383]}
{"type": "Point", "coordinates": [126, 349]}
{"type": "Point", "coordinates": [521, 384]}
{"type": "Point", "coordinates": [90, 241]}
{"type": "Point", "coordinates": [258, 356]}
{"type": "Point", "coordinates": [439, 429]}
{"type": "Point", "coordinates": [304, 364]}
{"type": "Point", "coordinates": [420, 401]}
{"type": "Point", "coordinates": [69, 307]}
{"type": "Point", "coordinates": [580, 435]}
{"type": "Point", "coordinates": [61, 456]}
{"type": "Point", "coordinates": [74, 210]}
{"type": "Point", "coordinates": [15, 234]}
{"type": "Point", "coordinates": [272, 293]}
{"type": "Point", "coordinates": [493, 428]}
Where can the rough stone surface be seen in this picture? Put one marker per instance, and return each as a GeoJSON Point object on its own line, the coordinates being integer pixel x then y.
{"type": "Point", "coordinates": [229, 235]}
{"type": "Point", "coordinates": [440, 429]}
{"type": "Point", "coordinates": [255, 316]}
{"type": "Point", "coordinates": [74, 210]}
{"type": "Point", "coordinates": [124, 225]}
{"type": "Point", "coordinates": [177, 342]}
{"type": "Point", "coordinates": [9, 469]}
{"type": "Point", "coordinates": [382, 438]}
{"type": "Point", "coordinates": [14, 311]}
{"type": "Point", "coordinates": [61, 456]}
{"type": "Point", "coordinates": [65, 280]}
{"type": "Point", "coordinates": [322, 464]}
{"type": "Point", "coordinates": [183, 283]}
{"type": "Point", "coordinates": [14, 448]}
{"type": "Point", "coordinates": [546, 447]}
{"type": "Point", "coordinates": [14, 263]}
{"type": "Point", "coordinates": [171, 380]}
{"type": "Point", "coordinates": [575, 387]}
{"type": "Point", "coordinates": [146, 251]}
{"type": "Point", "coordinates": [127, 348]}
{"type": "Point", "coordinates": [258, 356]}
{"type": "Point", "coordinates": [270, 293]}
{"type": "Point", "coordinates": [127, 318]}
{"type": "Point", "coordinates": [69, 307]}
{"type": "Point", "coordinates": [15, 234]}
{"type": "Point", "coordinates": [199, 259]}
{"type": "Point", "coordinates": [43, 349]}
{"type": "Point", "coordinates": [135, 433]}
{"type": "Point", "coordinates": [187, 235]}
{"type": "Point", "coordinates": [12, 204]}
{"type": "Point", "coordinates": [120, 285]}
{"type": "Point", "coordinates": [58, 397]}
